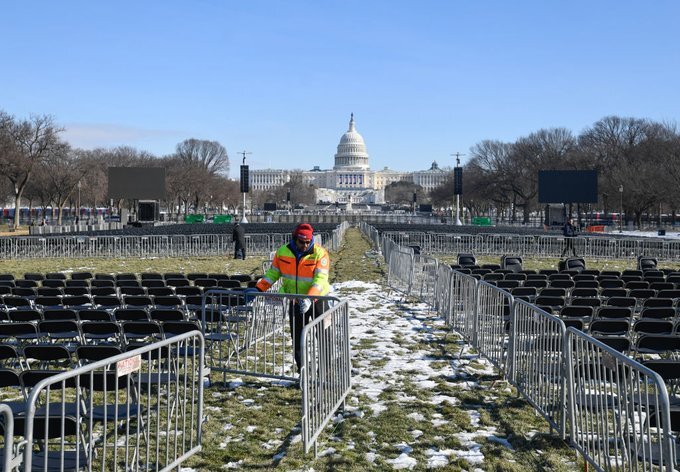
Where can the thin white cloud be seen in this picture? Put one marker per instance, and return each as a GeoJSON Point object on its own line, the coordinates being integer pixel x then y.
{"type": "Point", "coordinates": [89, 136]}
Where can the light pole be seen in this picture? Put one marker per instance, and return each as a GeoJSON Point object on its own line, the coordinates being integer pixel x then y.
{"type": "Point", "coordinates": [245, 184]}
{"type": "Point", "coordinates": [78, 214]}
{"type": "Point", "coordinates": [458, 186]}
{"type": "Point", "coordinates": [621, 214]}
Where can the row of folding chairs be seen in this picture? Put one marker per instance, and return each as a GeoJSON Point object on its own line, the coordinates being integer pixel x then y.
{"type": "Point", "coordinates": [109, 302]}
{"type": "Point", "coordinates": [37, 277]}
{"type": "Point", "coordinates": [67, 335]}
{"type": "Point", "coordinates": [32, 293]}
{"type": "Point", "coordinates": [568, 283]}
{"type": "Point", "coordinates": [7, 285]}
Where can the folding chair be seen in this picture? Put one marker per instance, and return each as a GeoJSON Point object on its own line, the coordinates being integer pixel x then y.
{"type": "Point", "coordinates": [76, 302]}
{"type": "Point", "coordinates": [160, 291]}
{"type": "Point", "coordinates": [130, 314]}
{"type": "Point", "coordinates": [54, 357]}
{"type": "Point", "coordinates": [587, 301]}
{"type": "Point", "coordinates": [49, 292]}
{"type": "Point", "coordinates": [83, 275]}
{"type": "Point", "coordinates": [609, 327]}
{"type": "Point", "coordinates": [611, 283]}
{"type": "Point", "coordinates": [101, 333]}
{"type": "Point", "coordinates": [621, 301]}
{"type": "Point", "coordinates": [24, 315]}
{"type": "Point", "coordinates": [614, 313]}
{"type": "Point", "coordinates": [44, 302]}
{"type": "Point", "coordinates": [177, 283]}
{"type": "Point", "coordinates": [62, 445]}
{"type": "Point", "coordinates": [132, 290]}
{"type": "Point", "coordinates": [658, 312]}
{"type": "Point", "coordinates": [581, 292]}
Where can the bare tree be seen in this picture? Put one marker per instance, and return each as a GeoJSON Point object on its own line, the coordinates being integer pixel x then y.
{"type": "Point", "coordinates": [208, 155]}
{"type": "Point", "coordinates": [401, 193]}
{"type": "Point", "coordinates": [24, 144]}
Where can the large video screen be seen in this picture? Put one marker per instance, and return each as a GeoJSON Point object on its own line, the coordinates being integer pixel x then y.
{"type": "Point", "coordinates": [567, 186]}
{"type": "Point", "coordinates": [137, 183]}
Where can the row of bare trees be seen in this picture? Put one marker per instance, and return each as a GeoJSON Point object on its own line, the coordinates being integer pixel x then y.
{"type": "Point", "coordinates": [39, 169]}
{"type": "Point", "coordinates": [640, 157]}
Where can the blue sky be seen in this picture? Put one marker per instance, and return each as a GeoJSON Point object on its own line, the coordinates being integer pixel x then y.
{"type": "Point", "coordinates": [280, 79]}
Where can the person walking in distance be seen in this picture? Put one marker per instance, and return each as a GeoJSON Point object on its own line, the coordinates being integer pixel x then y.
{"type": "Point", "coordinates": [569, 232]}
{"type": "Point", "coordinates": [304, 266]}
{"type": "Point", "coordinates": [239, 238]}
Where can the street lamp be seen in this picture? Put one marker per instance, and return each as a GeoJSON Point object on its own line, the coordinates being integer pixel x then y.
{"type": "Point", "coordinates": [621, 214]}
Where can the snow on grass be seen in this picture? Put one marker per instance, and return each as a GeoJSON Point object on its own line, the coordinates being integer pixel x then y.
{"type": "Point", "coordinates": [386, 336]}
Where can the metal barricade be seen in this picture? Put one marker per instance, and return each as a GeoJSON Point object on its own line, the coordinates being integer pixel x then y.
{"type": "Point", "coordinates": [620, 414]}
{"type": "Point", "coordinates": [464, 301]}
{"type": "Point", "coordinates": [538, 360]}
{"type": "Point", "coordinates": [7, 459]}
{"type": "Point", "coordinates": [326, 371]}
{"type": "Point", "coordinates": [400, 269]}
{"type": "Point", "coordinates": [252, 336]}
{"type": "Point", "coordinates": [140, 410]}
{"type": "Point", "coordinates": [424, 278]}
{"type": "Point", "coordinates": [492, 324]}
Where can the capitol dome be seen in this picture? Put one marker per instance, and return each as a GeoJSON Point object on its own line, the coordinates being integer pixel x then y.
{"type": "Point", "coordinates": [351, 150]}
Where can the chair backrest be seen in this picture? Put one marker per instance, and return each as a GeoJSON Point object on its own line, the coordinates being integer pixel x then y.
{"type": "Point", "coordinates": [58, 283]}
{"type": "Point", "coordinates": [81, 275]}
{"type": "Point", "coordinates": [613, 292]}
{"type": "Point", "coordinates": [581, 292]}
{"type": "Point", "coordinates": [94, 314]}
{"type": "Point", "coordinates": [646, 263]}
{"type": "Point", "coordinates": [513, 263]}
{"type": "Point", "coordinates": [60, 314]}
{"type": "Point", "coordinates": [465, 260]}
{"type": "Point", "coordinates": [553, 292]}
{"type": "Point", "coordinates": [621, 301]}
{"type": "Point", "coordinates": [576, 311]}
{"type": "Point", "coordinates": [166, 314]}
{"type": "Point", "coordinates": [658, 312]}
{"type": "Point", "coordinates": [614, 312]}
{"type": "Point", "coordinates": [130, 314]}
{"type": "Point", "coordinates": [24, 315]}
{"type": "Point", "coordinates": [587, 301]}
{"type": "Point", "coordinates": [609, 327]}
{"type": "Point", "coordinates": [102, 283]}
{"type": "Point", "coordinates": [611, 283]}
{"type": "Point", "coordinates": [577, 264]}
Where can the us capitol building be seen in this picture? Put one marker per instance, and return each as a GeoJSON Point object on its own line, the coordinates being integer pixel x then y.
{"type": "Point", "coordinates": [351, 180]}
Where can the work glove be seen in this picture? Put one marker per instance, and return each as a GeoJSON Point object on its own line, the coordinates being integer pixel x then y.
{"type": "Point", "coordinates": [249, 294]}
{"type": "Point", "coordinates": [305, 304]}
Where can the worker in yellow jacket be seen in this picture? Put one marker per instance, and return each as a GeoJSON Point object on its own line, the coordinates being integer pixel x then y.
{"type": "Point", "coordinates": [303, 265]}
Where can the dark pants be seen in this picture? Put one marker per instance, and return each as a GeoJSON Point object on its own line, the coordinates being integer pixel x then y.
{"type": "Point", "coordinates": [239, 252]}
{"type": "Point", "coordinates": [298, 321]}
{"type": "Point", "coordinates": [569, 246]}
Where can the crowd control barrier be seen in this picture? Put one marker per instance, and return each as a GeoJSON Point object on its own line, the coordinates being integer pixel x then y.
{"type": "Point", "coordinates": [140, 410]}
{"type": "Point", "coordinates": [538, 362]}
{"type": "Point", "coordinates": [251, 334]}
{"type": "Point", "coordinates": [620, 415]}
{"type": "Point", "coordinates": [326, 371]}
{"type": "Point", "coordinates": [8, 458]}
{"type": "Point", "coordinates": [490, 244]}
{"type": "Point", "coordinates": [613, 410]}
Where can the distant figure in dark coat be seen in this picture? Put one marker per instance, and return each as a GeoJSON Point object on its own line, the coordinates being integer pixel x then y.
{"type": "Point", "coordinates": [569, 232]}
{"type": "Point", "coordinates": [239, 237]}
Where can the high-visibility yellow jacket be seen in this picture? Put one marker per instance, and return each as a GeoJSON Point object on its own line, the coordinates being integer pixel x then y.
{"type": "Point", "coordinates": [303, 273]}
